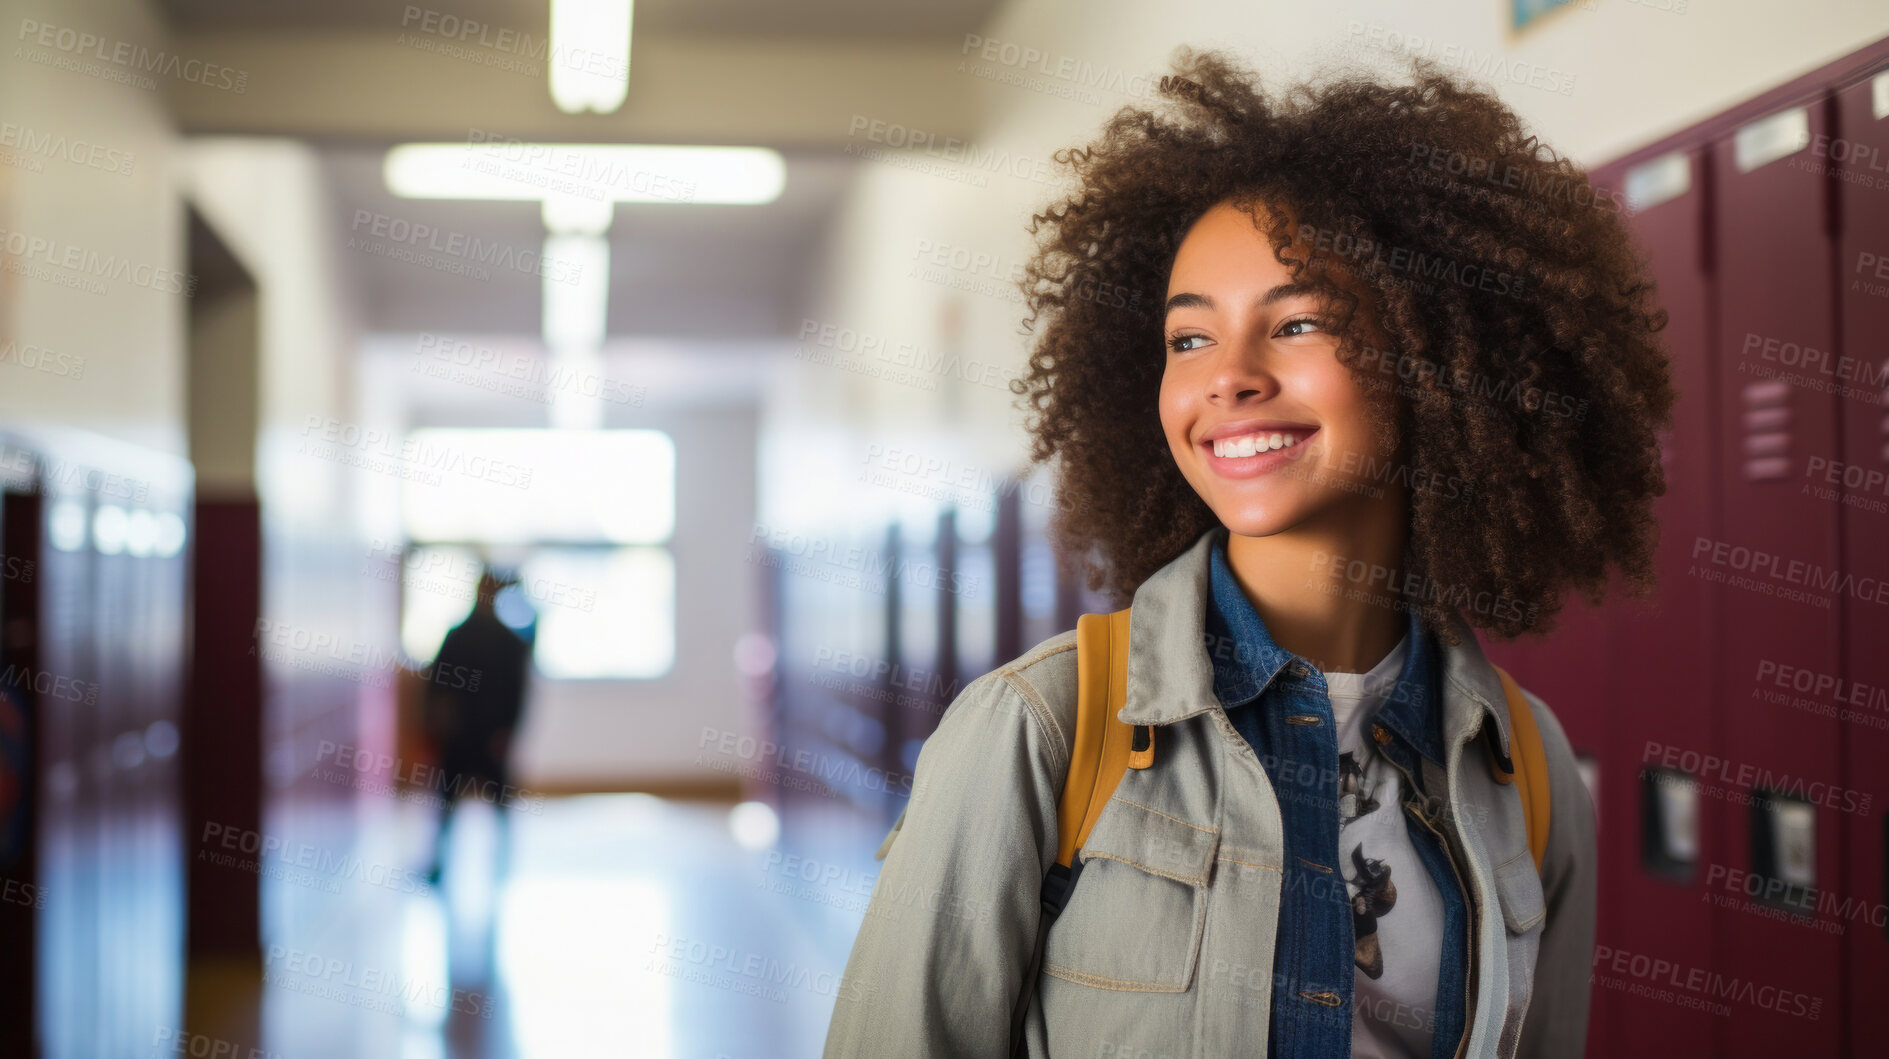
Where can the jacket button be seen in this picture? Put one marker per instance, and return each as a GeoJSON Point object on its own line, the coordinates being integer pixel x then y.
{"type": "Point", "coordinates": [1300, 670]}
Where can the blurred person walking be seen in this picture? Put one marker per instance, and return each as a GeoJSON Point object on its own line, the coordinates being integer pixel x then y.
{"type": "Point", "coordinates": [475, 698]}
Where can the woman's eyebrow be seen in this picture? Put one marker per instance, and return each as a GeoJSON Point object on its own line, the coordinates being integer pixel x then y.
{"type": "Point", "coordinates": [1191, 300]}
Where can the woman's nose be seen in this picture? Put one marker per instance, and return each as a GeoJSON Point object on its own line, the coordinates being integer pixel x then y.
{"type": "Point", "coordinates": [1239, 373]}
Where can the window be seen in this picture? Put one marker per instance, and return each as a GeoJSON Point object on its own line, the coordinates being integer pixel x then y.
{"type": "Point", "coordinates": [582, 518]}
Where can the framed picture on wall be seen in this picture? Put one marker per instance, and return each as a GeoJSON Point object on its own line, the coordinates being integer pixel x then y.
{"type": "Point", "coordinates": [1523, 13]}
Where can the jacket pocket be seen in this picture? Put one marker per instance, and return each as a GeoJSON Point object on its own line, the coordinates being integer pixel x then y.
{"type": "Point", "coordinates": [1518, 891]}
{"type": "Point", "coordinates": [1134, 919]}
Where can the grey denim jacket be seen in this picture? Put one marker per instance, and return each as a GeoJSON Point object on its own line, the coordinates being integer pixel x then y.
{"type": "Point", "coordinates": [1165, 947]}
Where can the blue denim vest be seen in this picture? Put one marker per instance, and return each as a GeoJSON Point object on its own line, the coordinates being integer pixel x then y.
{"type": "Point", "coordinates": [1263, 687]}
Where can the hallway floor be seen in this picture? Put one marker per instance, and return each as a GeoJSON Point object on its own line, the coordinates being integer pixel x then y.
{"type": "Point", "coordinates": [622, 925]}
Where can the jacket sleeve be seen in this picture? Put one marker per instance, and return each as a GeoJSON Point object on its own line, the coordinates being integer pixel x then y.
{"type": "Point", "coordinates": [1556, 1024]}
{"type": "Point", "coordinates": [948, 932]}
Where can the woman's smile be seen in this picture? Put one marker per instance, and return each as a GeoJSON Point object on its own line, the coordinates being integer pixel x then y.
{"type": "Point", "coordinates": [1248, 449]}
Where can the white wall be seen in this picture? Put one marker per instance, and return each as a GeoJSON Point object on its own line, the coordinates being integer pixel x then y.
{"type": "Point", "coordinates": [614, 733]}
{"type": "Point", "coordinates": [117, 204]}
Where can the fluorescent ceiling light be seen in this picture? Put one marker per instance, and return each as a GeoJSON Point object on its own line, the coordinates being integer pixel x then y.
{"type": "Point", "coordinates": [600, 172]}
{"type": "Point", "coordinates": [590, 54]}
{"type": "Point", "coordinates": [575, 312]}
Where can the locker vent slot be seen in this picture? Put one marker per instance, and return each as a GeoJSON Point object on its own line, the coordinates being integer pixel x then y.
{"type": "Point", "coordinates": [1659, 180]}
{"type": "Point", "coordinates": [1768, 139]}
{"type": "Point", "coordinates": [1767, 421]}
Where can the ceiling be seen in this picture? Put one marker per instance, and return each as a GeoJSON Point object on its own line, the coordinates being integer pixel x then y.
{"type": "Point", "coordinates": [883, 19]}
{"type": "Point", "coordinates": [676, 271]}
{"type": "Point", "coordinates": [341, 76]}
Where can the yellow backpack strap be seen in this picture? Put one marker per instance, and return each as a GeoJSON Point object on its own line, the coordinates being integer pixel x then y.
{"type": "Point", "coordinates": [1531, 767]}
{"type": "Point", "coordinates": [1104, 745]}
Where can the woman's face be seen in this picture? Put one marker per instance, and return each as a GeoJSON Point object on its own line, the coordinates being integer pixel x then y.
{"type": "Point", "coordinates": [1265, 423]}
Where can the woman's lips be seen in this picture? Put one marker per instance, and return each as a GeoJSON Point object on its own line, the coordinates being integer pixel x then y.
{"type": "Point", "coordinates": [1260, 462]}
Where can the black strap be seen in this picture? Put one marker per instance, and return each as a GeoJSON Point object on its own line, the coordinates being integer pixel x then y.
{"type": "Point", "coordinates": [1056, 887]}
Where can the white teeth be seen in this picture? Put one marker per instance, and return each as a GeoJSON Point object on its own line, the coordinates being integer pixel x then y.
{"type": "Point", "coordinates": [1252, 444]}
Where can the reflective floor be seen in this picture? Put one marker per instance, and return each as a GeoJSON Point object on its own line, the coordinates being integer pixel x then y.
{"type": "Point", "coordinates": [607, 925]}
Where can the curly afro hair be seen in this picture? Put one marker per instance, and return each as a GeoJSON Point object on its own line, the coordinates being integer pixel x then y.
{"type": "Point", "coordinates": [1517, 322]}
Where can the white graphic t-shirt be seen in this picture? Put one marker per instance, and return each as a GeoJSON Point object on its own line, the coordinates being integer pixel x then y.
{"type": "Point", "coordinates": [1396, 911]}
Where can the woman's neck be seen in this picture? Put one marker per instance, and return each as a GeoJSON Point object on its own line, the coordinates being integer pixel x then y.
{"type": "Point", "coordinates": [1328, 593]}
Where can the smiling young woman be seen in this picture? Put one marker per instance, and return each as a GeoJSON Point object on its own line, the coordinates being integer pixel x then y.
{"type": "Point", "coordinates": [1400, 382]}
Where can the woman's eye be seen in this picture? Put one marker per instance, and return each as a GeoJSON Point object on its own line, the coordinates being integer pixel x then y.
{"type": "Point", "coordinates": [1310, 322]}
{"type": "Point", "coordinates": [1178, 343]}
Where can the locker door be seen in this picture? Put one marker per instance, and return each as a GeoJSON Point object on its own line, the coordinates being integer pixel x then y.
{"type": "Point", "coordinates": [1650, 860]}
{"type": "Point", "coordinates": [1771, 799]}
{"type": "Point", "coordinates": [1862, 153]}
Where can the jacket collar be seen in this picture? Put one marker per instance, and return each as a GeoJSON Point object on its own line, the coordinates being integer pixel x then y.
{"type": "Point", "coordinates": [1171, 677]}
{"type": "Point", "coordinates": [1246, 659]}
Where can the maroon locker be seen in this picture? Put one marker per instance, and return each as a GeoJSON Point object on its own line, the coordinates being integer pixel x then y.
{"type": "Point", "coordinates": [1779, 977]}
{"type": "Point", "coordinates": [1861, 152]}
{"type": "Point", "coordinates": [1661, 648]}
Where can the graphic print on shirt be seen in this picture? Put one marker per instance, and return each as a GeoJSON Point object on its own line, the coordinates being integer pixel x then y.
{"type": "Point", "coordinates": [1373, 894]}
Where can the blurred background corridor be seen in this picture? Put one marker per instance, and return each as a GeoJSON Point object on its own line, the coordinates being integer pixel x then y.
{"type": "Point", "coordinates": [671, 347]}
